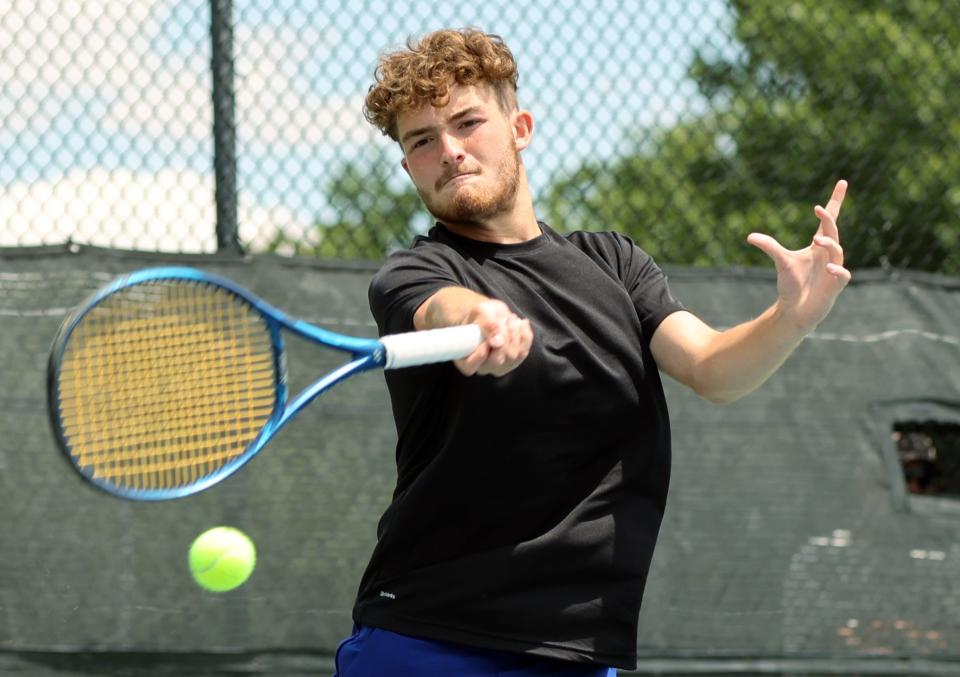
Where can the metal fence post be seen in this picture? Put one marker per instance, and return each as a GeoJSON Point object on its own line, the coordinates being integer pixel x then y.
{"type": "Point", "coordinates": [224, 125]}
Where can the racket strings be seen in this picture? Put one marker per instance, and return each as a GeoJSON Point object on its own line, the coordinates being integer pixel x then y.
{"type": "Point", "coordinates": [164, 383]}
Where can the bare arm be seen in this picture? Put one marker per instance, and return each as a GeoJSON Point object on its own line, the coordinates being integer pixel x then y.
{"type": "Point", "coordinates": [507, 337]}
{"type": "Point", "coordinates": [724, 366]}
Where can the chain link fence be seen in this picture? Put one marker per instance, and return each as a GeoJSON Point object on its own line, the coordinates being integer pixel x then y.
{"type": "Point", "coordinates": [685, 124]}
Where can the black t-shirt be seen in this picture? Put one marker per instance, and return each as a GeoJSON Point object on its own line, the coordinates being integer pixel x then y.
{"type": "Point", "coordinates": [527, 506]}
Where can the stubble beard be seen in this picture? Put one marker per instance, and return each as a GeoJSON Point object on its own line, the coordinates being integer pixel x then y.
{"type": "Point", "coordinates": [472, 205]}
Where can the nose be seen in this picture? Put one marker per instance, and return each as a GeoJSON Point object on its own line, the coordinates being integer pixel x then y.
{"type": "Point", "coordinates": [452, 150]}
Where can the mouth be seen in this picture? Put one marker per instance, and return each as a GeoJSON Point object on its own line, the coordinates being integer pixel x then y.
{"type": "Point", "coordinates": [455, 177]}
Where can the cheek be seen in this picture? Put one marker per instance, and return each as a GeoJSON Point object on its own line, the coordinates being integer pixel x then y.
{"type": "Point", "coordinates": [419, 170]}
{"type": "Point", "coordinates": [490, 148]}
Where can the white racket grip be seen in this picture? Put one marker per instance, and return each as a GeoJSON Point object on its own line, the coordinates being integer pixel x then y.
{"type": "Point", "coordinates": [430, 345]}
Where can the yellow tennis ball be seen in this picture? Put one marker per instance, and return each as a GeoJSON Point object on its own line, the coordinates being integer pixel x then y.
{"type": "Point", "coordinates": [222, 559]}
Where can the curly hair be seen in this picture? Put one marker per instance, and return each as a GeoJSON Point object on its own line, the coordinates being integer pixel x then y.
{"type": "Point", "coordinates": [409, 78]}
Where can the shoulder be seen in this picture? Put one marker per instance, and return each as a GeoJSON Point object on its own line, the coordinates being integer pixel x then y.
{"type": "Point", "coordinates": [611, 248]}
{"type": "Point", "coordinates": [602, 241]}
{"type": "Point", "coordinates": [426, 255]}
{"type": "Point", "coordinates": [408, 277]}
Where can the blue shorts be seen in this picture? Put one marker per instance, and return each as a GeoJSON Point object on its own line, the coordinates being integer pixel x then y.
{"type": "Point", "coordinates": [373, 652]}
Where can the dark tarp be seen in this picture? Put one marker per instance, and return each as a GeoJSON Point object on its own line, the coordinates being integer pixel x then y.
{"type": "Point", "coordinates": [789, 535]}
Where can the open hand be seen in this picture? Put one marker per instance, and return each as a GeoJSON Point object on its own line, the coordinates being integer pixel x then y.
{"type": "Point", "coordinates": [810, 279]}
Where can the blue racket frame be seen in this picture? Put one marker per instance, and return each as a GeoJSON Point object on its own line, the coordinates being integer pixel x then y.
{"type": "Point", "coordinates": [366, 354]}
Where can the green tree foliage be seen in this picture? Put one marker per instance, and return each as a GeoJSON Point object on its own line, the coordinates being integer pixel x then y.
{"type": "Point", "coordinates": [373, 217]}
{"type": "Point", "coordinates": [819, 90]}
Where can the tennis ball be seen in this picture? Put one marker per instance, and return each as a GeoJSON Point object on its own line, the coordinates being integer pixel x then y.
{"type": "Point", "coordinates": [222, 559]}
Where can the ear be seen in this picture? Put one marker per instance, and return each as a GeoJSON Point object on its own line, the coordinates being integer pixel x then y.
{"type": "Point", "coordinates": [406, 168]}
{"type": "Point", "coordinates": [522, 121]}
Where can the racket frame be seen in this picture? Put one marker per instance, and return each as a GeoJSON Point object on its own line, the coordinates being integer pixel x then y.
{"type": "Point", "coordinates": [366, 354]}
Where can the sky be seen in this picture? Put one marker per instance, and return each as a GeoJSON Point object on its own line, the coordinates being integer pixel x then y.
{"type": "Point", "coordinates": [105, 111]}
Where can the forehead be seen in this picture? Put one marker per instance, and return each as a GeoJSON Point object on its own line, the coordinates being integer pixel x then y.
{"type": "Point", "coordinates": [461, 98]}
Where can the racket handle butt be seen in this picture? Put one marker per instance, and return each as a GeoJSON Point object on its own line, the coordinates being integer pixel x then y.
{"type": "Point", "coordinates": [430, 345]}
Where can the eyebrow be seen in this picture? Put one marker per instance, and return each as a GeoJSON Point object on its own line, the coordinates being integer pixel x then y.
{"type": "Point", "coordinates": [453, 118]}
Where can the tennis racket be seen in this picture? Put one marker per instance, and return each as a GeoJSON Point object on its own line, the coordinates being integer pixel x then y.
{"type": "Point", "coordinates": [168, 380]}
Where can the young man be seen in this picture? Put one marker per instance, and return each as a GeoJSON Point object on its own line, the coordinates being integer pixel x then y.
{"type": "Point", "coordinates": [532, 474]}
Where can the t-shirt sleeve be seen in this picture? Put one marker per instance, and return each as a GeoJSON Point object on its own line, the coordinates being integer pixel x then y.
{"type": "Point", "coordinates": [646, 284]}
{"type": "Point", "coordinates": [403, 283]}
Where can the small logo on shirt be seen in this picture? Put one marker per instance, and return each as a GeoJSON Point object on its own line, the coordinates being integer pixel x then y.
{"type": "Point", "coordinates": [388, 595]}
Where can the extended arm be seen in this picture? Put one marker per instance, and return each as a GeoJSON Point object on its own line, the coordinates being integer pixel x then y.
{"type": "Point", "coordinates": [724, 366]}
{"type": "Point", "coordinates": [508, 337]}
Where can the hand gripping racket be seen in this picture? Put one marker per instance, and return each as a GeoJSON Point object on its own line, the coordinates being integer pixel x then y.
{"type": "Point", "coordinates": [169, 380]}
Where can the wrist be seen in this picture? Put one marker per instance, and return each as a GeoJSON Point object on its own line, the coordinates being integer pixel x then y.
{"type": "Point", "coordinates": [791, 320]}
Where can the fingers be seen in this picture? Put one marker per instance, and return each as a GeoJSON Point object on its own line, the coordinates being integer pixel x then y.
{"type": "Point", "coordinates": [502, 352]}
{"type": "Point", "coordinates": [828, 228]}
{"type": "Point", "coordinates": [517, 337]}
{"type": "Point", "coordinates": [771, 248]}
{"type": "Point", "coordinates": [828, 224]}
{"type": "Point", "coordinates": [831, 247]}
{"type": "Point", "coordinates": [469, 365]}
{"type": "Point", "coordinates": [828, 216]}
{"type": "Point", "coordinates": [839, 272]}
{"type": "Point", "coordinates": [781, 257]}
{"type": "Point", "coordinates": [836, 199]}
{"type": "Point", "coordinates": [507, 343]}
